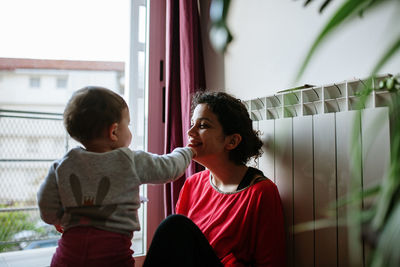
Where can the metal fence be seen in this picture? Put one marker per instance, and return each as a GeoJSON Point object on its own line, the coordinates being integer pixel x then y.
{"type": "Point", "coordinates": [29, 143]}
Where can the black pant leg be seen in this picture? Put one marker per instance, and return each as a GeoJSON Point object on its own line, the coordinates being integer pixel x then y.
{"type": "Point", "coordinates": [178, 242]}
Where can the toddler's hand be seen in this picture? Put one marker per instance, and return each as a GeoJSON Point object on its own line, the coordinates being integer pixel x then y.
{"type": "Point", "coordinates": [194, 151]}
{"type": "Point", "coordinates": [59, 228]}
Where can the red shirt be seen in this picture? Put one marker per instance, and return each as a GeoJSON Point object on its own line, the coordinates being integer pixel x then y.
{"type": "Point", "coordinates": [245, 227]}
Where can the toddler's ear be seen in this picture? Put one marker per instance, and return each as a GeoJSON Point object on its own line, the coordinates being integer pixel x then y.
{"type": "Point", "coordinates": [112, 131]}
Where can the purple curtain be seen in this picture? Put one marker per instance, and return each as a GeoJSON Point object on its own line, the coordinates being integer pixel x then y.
{"type": "Point", "coordinates": [184, 76]}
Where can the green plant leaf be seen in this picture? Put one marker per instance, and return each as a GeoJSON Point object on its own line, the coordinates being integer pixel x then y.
{"type": "Point", "coordinates": [356, 197]}
{"type": "Point", "coordinates": [324, 5]}
{"type": "Point", "coordinates": [332, 221]}
{"type": "Point", "coordinates": [384, 216]}
{"type": "Point", "coordinates": [316, 225]}
{"type": "Point", "coordinates": [387, 56]}
{"type": "Point", "coordinates": [388, 253]}
{"type": "Point", "coordinates": [368, 5]}
{"type": "Point", "coordinates": [346, 11]}
{"type": "Point", "coordinates": [391, 185]}
{"type": "Point", "coordinates": [307, 2]}
{"type": "Point", "coordinates": [220, 35]}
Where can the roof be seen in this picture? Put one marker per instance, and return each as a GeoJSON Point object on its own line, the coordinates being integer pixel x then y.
{"type": "Point", "coordinates": [26, 63]}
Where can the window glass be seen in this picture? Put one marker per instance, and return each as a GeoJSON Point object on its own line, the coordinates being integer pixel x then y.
{"type": "Point", "coordinates": [62, 82]}
{"type": "Point", "coordinates": [66, 53]}
{"type": "Point", "coordinates": [34, 82]}
{"type": "Point", "coordinates": [142, 24]}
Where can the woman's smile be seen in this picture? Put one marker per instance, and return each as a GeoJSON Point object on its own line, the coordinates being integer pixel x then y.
{"type": "Point", "coordinates": [194, 143]}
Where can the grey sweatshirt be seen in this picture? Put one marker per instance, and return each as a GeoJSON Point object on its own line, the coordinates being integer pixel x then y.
{"type": "Point", "coordinates": [102, 189]}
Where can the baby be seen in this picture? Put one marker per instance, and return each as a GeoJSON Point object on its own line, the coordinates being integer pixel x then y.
{"type": "Point", "coordinates": [92, 193]}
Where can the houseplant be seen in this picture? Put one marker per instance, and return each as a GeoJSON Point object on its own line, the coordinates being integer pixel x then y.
{"type": "Point", "coordinates": [381, 222]}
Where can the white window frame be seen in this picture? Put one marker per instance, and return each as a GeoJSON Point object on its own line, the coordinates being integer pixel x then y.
{"type": "Point", "coordinates": [155, 53]}
{"type": "Point", "coordinates": [133, 95]}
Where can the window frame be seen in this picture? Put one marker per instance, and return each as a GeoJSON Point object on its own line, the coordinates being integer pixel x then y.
{"type": "Point", "coordinates": [154, 132]}
{"type": "Point", "coordinates": [133, 93]}
{"type": "Point", "coordinates": [156, 29]}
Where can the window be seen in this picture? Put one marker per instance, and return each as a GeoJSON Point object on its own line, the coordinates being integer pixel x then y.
{"type": "Point", "coordinates": [32, 145]}
{"type": "Point", "coordinates": [136, 99]}
{"type": "Point", "coordinates": [43, 121]}
{"type": "Point", "coordinates": [62, 82]}
{"type": "Point", "coordinates": [34, 82]}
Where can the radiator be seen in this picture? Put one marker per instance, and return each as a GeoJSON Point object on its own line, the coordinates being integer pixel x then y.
{"type": "Point", "coordinates": [307, 141]}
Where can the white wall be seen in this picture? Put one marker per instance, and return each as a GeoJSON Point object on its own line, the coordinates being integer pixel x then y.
{"type": "Point", "coordinates": [272, 37]}
{"type": "Point", "coordinates": [15, 92]}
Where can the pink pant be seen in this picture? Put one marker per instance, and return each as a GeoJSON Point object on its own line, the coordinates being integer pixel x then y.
{"type": "Point", "coordinates": [88, 246]}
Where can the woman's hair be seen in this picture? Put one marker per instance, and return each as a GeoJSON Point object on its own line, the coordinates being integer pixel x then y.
{"type": "Point", "coordinates": [234, 118]}
{"type": "Point", "coordinates": [90, 111]}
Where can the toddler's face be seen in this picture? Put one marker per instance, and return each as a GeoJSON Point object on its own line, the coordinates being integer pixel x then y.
{"type": "Point", "coordinates": [124, 134]}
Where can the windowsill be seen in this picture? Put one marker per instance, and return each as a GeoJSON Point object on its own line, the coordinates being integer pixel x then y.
{"type": "Point", "coordinates": [35, 257]}
{"type": "Point", "coordinates": [39, 257]}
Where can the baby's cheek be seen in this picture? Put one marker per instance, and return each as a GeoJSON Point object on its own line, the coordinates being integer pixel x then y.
{"type": "Point", "coordinates": [130, 137]}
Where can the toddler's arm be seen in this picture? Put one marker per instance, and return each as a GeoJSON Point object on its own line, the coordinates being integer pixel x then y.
{"type": "Point", "coordinates": [49, 202]}
{"type": "Point", "coordinates": [152, 168]}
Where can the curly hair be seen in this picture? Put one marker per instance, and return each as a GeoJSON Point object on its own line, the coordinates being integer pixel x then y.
{"type": "Point", "coordinates": [234, 118]}
{"type": "Point", "coordinates": [90, 111]}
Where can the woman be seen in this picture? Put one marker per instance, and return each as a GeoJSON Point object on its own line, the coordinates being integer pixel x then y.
{"type": "Point", "coordinates": [232, 214]}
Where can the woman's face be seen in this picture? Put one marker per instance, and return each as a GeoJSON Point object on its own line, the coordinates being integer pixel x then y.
{"type": "Point", "coordinates": [206, 136]}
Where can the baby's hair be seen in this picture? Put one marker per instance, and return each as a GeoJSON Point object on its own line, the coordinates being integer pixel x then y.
{"type": "Point", "coordinates": [90, 111]}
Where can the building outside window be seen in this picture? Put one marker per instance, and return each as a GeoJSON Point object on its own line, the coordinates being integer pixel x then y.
{"type": "Point", "coordinates": [34, 82]}
{"type": "Point", "coordinates": [62, 82]}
